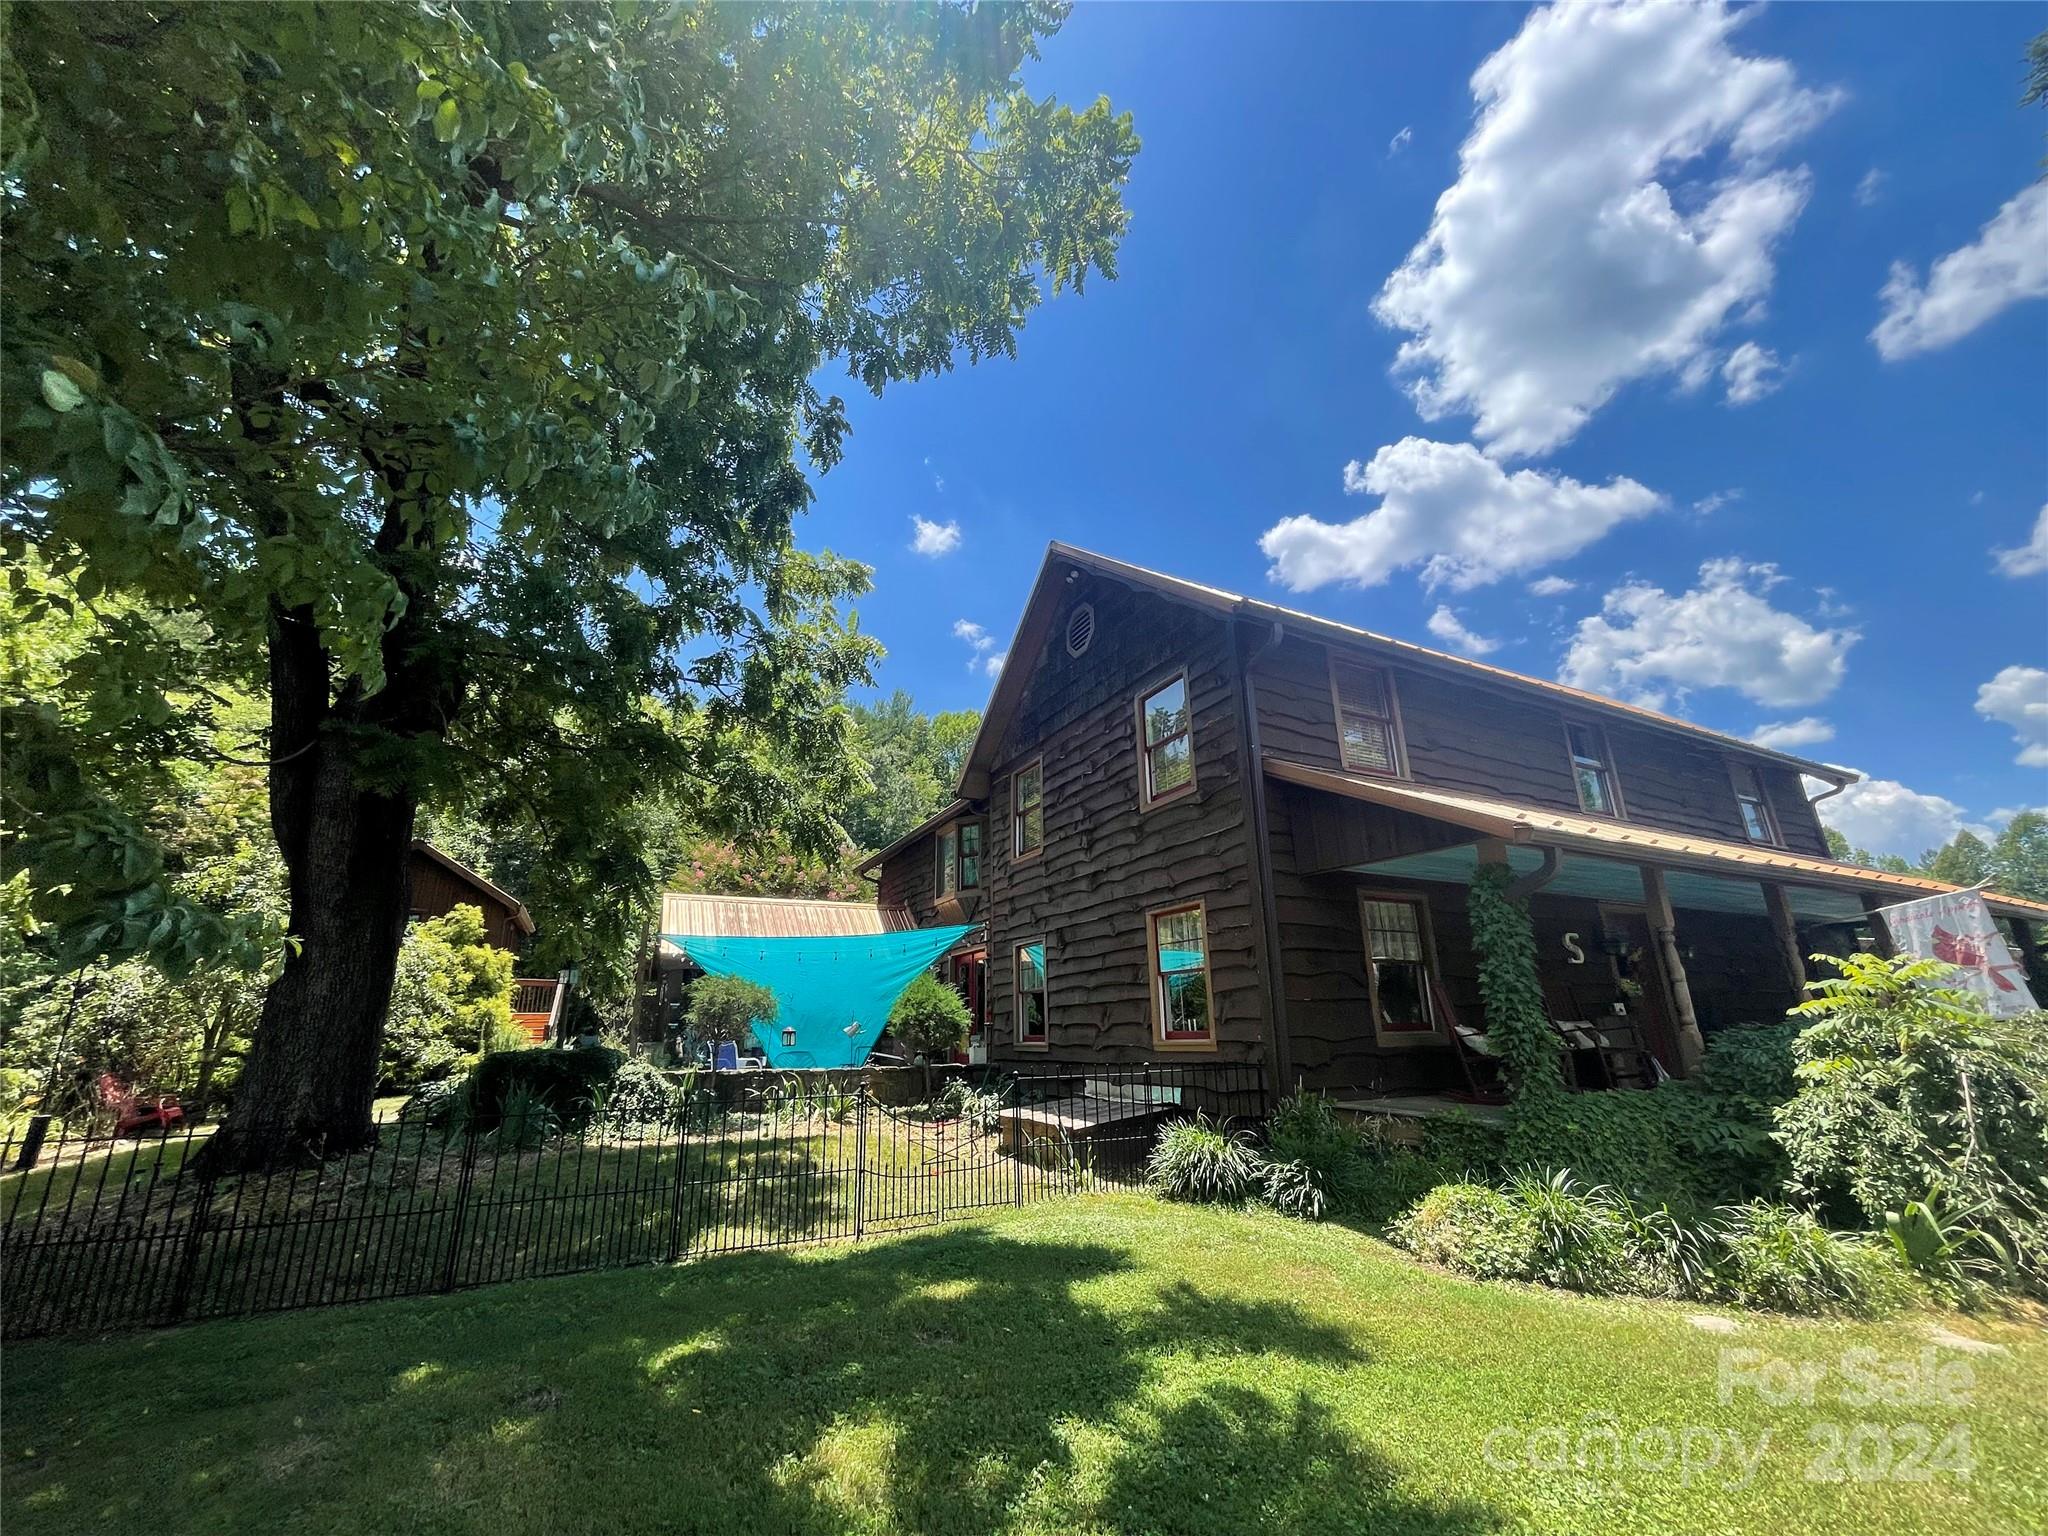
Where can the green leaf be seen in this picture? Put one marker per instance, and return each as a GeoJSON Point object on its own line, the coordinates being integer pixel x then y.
{"type": "Point", "coordinates": [447, 120]}
{"type": "Point", "coordinates": [60, 393]}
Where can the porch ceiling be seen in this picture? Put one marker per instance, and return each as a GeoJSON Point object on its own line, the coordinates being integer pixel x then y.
{"type": "Point", "coordinates": [1622, 884]}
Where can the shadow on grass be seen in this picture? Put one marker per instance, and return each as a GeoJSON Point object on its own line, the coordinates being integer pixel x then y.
{"type": "Point", "coordinates": [962, 1381]}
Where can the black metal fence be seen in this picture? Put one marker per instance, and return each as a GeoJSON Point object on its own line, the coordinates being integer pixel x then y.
{"type": "Point", "coordinates": [105, 1232]}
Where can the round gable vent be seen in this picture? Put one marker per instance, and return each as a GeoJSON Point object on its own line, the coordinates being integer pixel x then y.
{"type": "Point", "coordinates": [1080, 629]}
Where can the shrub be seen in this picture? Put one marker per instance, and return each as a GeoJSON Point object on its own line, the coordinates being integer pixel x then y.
{"type": "Point", "coordinates": [571, 1083]}
{"type": "Point", "coordinates": [1906, 1087]}
{"type": "Point", "coordinates": [728, 1008]}
{"type": "Point", "coordinates": [979, 1108]}
{"type": "Point", "coordinates": [930, 1018]}
{"type": "Point", "coordinates": [435, 1103]}
{"type": "Point", "coordinates": [1581, 1233]}
{"type": "Point", "coordinates": [1296, 1189]}
{"type": "Point", "coordinates": [1471, 1228]}
{"type": "Point", "coordinates": [451, 1000]}
{"type": "Point", "coordinates": [640, 1094]}
{"type": "Point", "coordinates": [1776, 1257]}
{"type": "Point", "coordinates": [1195, 1161]}
{"type": "Point", "coordinates": [524, 1118]}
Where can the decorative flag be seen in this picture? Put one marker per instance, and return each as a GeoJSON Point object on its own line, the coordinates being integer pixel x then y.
{"type": "Point", "coordinates": [1958, 928]}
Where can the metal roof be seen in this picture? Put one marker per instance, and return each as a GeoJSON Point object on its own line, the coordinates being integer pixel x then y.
{"type": "Point", "coordinates": [697, 915]}
{"type": "Point", "coordinates": [1534, 824]}
{"type": "Point", "coordinates": [1037, 616]}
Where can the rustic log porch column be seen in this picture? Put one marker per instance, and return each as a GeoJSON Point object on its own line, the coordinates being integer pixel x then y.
{"type": "Point", "coordinates": [1664, 930]}
{"type": "Point", "coordinates": [1779, 905]}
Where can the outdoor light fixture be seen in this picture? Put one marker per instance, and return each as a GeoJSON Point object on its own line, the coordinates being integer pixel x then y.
{"type": "Point", "coordinates": [852, 1029]}
{"type": "Point", "coordinates": [789, 1037]}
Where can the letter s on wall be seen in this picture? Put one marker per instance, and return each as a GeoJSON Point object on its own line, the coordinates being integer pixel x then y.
{"type": "Point", "coordinates": [1571, 947]}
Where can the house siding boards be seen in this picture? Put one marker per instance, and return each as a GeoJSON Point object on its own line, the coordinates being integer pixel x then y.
{"type": "Point", "coordinates": [437, 891]}
{"type": "Point", "coordinates": [1466, 736]}
{"type": "Point", "coordinates": [1105, 862]}
{"type": "Point", "coordinates": [908, 879]}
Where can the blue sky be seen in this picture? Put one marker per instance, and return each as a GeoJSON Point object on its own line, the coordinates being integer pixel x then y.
{"type": "Point", "coordinates": [1658, 346]}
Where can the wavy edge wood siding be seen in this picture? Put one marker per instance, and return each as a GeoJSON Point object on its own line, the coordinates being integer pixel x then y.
{"type": "Point", "coordinates": [1461, 735]}
{"type": "Point", "coordinates": [1106, 863]}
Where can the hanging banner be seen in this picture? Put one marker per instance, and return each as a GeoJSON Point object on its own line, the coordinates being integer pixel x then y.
{"type": "Point", "coordinates": [1957, 927]}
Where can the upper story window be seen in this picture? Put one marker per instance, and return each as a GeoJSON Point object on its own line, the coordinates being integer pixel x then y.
{"type": "Point", "coordinates": [1031, 1016]}
{"type": "Point", "coordinates": [1181, 1012]}
{"type": "Point", "coordinates": [1759, 825]}
{"type": "Point", "coordinates": [1592, 769]}
{"type": "Point", "coordinates": [1027, 809]}
{"type": "Point", "coordinates": [1166, 741]}
{"type": "Point", "coordinates": [1397, 947]}
{"type": "Point", "coordinates": [957, 859]}
{"type": "Point", "coordinates": [1368, 722]}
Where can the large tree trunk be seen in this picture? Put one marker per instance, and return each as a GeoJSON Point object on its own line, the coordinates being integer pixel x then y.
{"type": "Point", "coordinates": [344, 828]}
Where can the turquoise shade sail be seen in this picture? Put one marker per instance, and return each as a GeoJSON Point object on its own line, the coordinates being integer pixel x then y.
{"type": "Point", "coordinates": [824, 985]}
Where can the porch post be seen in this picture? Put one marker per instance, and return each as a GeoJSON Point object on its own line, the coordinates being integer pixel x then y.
{"type": "Point", "coordinates": [2028, 935]}
{"type": "Point", "coordinates": [1780, 907]}
{"type": "Point", "coordinates": [1880, 934]}
{"type": "Point", "coordinates": [1664, 930]}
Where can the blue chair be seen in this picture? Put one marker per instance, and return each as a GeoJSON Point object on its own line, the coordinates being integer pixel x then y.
{"type": "Point", "coordinates": [726, 1058]}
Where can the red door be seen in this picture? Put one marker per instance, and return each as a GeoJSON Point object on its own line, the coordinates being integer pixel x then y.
{"type": "Point", "coordinates": [968, 971]}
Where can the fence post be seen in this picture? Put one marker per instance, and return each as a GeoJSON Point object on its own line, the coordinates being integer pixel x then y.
{"type": "Point", "coordinates": [188, 1251]}
{"type": "Point", "coordinates": [448, 1271]}
{"type": "Point", "coordinates": [860, 1157]}
{"type": "Point", "coordinates": [675, 1204]}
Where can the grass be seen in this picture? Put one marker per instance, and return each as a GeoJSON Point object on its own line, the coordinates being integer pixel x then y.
{"type": "Point", "coordinates": [1109, 1364]}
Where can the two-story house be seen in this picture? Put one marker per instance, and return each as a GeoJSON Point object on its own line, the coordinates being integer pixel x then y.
{"type": "Point", "coordinates": [1198, 825]}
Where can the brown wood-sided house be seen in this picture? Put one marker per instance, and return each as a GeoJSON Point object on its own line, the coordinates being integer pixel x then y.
{"type": "Point", "coordinates": [440, 884]}
{"type": "Point", "coordinates": [1199, 826]}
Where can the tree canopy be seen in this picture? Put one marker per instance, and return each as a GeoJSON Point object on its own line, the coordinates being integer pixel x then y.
{"type": "Point", "coordinates": [441, 371]}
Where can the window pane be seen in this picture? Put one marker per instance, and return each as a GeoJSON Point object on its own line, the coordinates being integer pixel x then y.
{"type": "Point", "coordinates": [1584, 744]}
{"type": "Point", "coordinates": [1031, 968]}
{"type": "Point", "coordinates": [947, 844]}
{"type": "Point", "coordinates": [1755, 823]}
{"type": "Point", "coordinates": [1166, 712]}
{"type": "Point", "coordinates": [1403, 989]}
{"type": "Point", "coordinates": [1368, 744]}
{"type": "Point", "coordinates": [970, 857]}
{"type": "Point", "coordinates": [1028, 816]}
{"type": "Point", "coordinates": [1031, 992]}
{"type": "Point", "coordinates": [1594, 795]}
{"type": "Point", "coordinates": [1362, 689]}
{"type": "Point", "coordinates": [1180, 941]}
{"type": "Point", "coordinates": [1187, 1003]}
{"type": "Point", "coordinates": [1171, 765]}
{"type": "Point", "coordinates": [1395, 929]}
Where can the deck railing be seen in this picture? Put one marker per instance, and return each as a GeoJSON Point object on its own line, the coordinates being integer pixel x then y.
{"type": "Point", "coordinates": [106, 1232]}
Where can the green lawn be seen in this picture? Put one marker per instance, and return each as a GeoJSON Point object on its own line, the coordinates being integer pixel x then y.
{"type": "Point", "coordinates": [1104, 1364]}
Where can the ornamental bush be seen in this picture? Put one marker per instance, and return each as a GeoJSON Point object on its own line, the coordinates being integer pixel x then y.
{"type": "Point", "coordinates": [1194, 1160]}
{"type": "Point", "coordinates": [571, 1084]}
{"type": "Point", "coordinates": [451, 1001]}
{"type": "Point", "coordinates": [930, 1018]}
{"type": "Point", "coordinates": [728, 1008]}
{"type": "Point", "coordinates": [1471, 1228]}
{"type": "Point", "coordinates": [1775, 1257]}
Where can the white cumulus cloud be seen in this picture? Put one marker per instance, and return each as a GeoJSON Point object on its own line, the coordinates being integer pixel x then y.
{"type": "Point", "coordinates": [1450, 629]}
{"type": "Point", "coordinates": [2018, 698]}
{"type": "Point", "coordinates": [994, 664]}
{"type": "Point", "coordinates": [1646, 643]}
{"type": "Point", "coordinates": [1615, 204]}
{"type": "Point", "coordinates": [1456, 513]}
{"type": "Point", "coordinates": [1884, 816]}
{"type": "Point", "coordinates": [934, 539]}
{"type": "Point", "coordinates": [1789, 735]}
{"type": "Point", "coordinates": [1552, 586]}
{"type": "Point", "coordinates": [2030, 558]}
{"type": "Point", "coordinates": [1751, 372]}
{"type": "Point", "coordinates": [2006, 263]}
{"type": "Point", "coordinates": [1871, 187]}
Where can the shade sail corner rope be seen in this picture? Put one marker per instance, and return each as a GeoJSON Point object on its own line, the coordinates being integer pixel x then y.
{"type": "Point", "coordinates": [835, 992]}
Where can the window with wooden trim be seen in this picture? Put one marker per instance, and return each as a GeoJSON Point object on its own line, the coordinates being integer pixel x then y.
{"type": "Point", "coordinates": [1027, 809]}
{"type": "Point", "coordinates": [946, 876]}
{"type": "Point", "coordinates": [1182, 1012]}
{"type": "Point", "coordinates": [1399, 965]}
{"type": "Point", "coordinates": [970, 855]}
{"type": "Point", "coordinates": [1759, 822]}
{"type": "Point", "coordinates": [1592, 769]}
{"type": "Point", "coordinates": [1166, 741]}
{"type": "Point", "coordinates": [1368, 719]}
{"type": "Point", "coordinates": [1031, 1015]}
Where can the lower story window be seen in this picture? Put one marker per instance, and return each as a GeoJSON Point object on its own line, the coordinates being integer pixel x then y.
{"type": "Point", "coordinates": [1397, 951]}
{"type": "Point", "coordinates": [1031, 1028]}
{"type": "Point", "coordinates": [1180, 976]}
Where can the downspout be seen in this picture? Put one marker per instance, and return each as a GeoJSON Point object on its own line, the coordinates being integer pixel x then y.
{"type": "Point", "coordinates": [1262, 849]}
{"type": "Point", "coordinates": [1524, 886]}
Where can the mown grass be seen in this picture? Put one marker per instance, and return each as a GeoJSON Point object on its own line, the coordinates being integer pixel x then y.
{"type": "Point", "coordinates": [1102, 1365]}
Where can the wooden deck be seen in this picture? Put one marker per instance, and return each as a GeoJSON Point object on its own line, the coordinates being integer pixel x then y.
{"type": "Point", "coordinates": [1422, 1106]}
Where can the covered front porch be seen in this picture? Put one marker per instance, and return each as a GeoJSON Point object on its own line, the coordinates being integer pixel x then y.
{"type": "Point", "coordinates": [1646, 942]}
